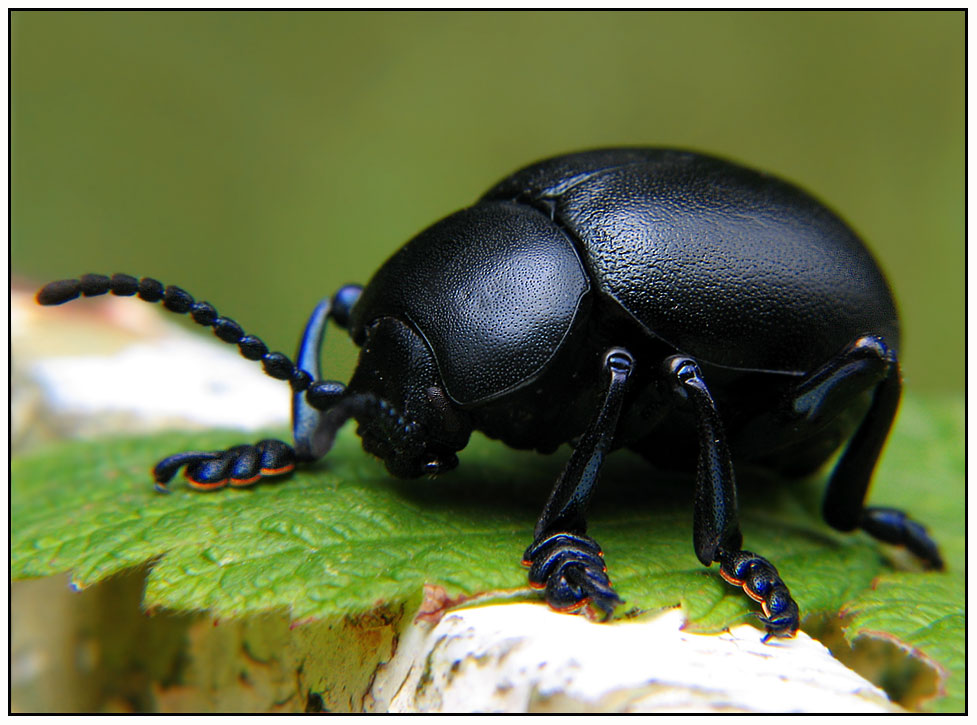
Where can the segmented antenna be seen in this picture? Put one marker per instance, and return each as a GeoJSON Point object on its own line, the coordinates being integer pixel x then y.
{"type": "Point", "coordinates": [320, 395]}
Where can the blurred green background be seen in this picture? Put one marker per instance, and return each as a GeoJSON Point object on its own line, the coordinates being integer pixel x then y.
{"type": "Point", "coordinates": [260, 160]}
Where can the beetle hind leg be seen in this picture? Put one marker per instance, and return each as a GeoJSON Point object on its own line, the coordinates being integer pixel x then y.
{"type": "Point", "coordinates": [562, 559]}
{"type": "Point", "coordinates": [866, 366]}
{"type": "Point", "coordinates": [844, 502]}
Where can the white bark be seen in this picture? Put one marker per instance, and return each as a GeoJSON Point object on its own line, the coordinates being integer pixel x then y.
{"type": "Point", "coordinates": [527, 658]}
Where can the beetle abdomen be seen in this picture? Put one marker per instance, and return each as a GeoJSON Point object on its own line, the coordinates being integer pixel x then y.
{"type": "Point", "coordinates": [734, 267]}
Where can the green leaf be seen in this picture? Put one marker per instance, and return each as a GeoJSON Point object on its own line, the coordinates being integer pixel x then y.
{"type": "Point", "coordinates": [342, 536]}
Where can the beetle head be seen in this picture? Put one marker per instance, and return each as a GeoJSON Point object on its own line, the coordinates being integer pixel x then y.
{"type": "Point", "coordinates": [412, 426]}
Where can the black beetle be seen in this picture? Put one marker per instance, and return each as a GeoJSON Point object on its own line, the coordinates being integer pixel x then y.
{"type": "Point", "coordinates": [669, 302]}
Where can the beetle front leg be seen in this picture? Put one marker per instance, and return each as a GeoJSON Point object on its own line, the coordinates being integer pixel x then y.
{"type": "Point", "coordinates": [562, 558]}
{"type": "Point", "coordinates": [313, 429]}
{"type": "Point", "coordinates": [716, 531]}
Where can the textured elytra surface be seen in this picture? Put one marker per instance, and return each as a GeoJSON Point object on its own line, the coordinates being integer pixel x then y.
{"type": "Point", "coordinates": [343, 536]}
{"type": "Point", "coordinates": [727, 264]}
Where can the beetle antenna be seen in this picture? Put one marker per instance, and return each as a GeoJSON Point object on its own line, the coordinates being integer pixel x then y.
{"type": "Point", "coordinates": [175, 299]}
{"type": "Point", "coordinates": [320, 395]}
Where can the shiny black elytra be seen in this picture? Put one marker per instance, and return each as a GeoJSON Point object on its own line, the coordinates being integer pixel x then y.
{"type": "Point", "coordinates": [665, 301]}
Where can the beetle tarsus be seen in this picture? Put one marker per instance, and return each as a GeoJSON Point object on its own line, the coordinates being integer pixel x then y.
{"type": "Point", "coordinates": [571, 568]}
{"type": "Point", "coordinates": [762, 583]}
{"type": "Point", "coordinates": [895, 527]}
{"type": "Point", "coordinates": [238, 466]}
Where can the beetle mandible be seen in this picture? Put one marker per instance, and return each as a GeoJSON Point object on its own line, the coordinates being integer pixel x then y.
{"type": "Point", "coordinates": [685, 307]}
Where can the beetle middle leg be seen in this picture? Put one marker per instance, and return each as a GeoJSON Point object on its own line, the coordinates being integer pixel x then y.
{"type": "Point", "coordinates": [716, 531]}
{"type": "Point", "coordinates": [562, 558]}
